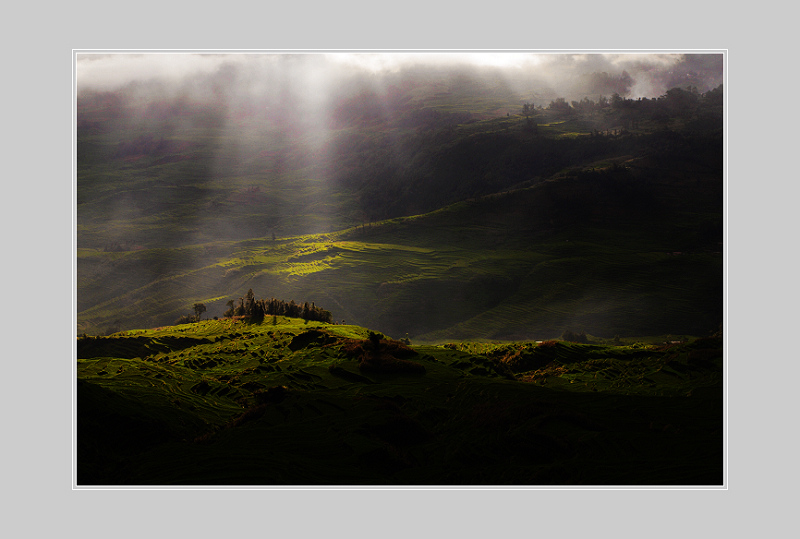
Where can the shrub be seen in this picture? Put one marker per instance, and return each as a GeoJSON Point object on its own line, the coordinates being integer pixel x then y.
{"type": "Point", "coordinates": [185, 319]}
{"type": "Point", "coordinates": [569, 336]}
{"type": "Point", "coordinates": [375, 340]}
{"type": "Point", "coordinates": [381, 355]}
{"type": "Point", "coordinates": [526, 359]}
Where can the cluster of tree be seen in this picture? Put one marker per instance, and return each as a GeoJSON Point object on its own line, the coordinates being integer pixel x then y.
{"type": "Point", "coordinates": [571, 336]}
{"type": "Point", "coordinates": [559, 104]}
{"type": "Point", "coordinates": [675, 103]}
{"type": "Point", "coordinates": [255, 310]}
{"type": "Point", "coordinates": [528, 109]}
{"type": "Point", "coordinates": [588, 106]}
{"type": "Point", "coordinates": [199, 309]}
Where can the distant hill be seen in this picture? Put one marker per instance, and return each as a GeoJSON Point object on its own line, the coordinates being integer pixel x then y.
{"type": "Point", "coordinates": [427, 221]}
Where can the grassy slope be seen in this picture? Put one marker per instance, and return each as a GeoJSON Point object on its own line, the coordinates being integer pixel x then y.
{"type": "Point", "coordinates": [527, 264]}
{"type": "Point", "coordinates": [232, 403]}
{"type": "Point", "coordinates": [508, 266]}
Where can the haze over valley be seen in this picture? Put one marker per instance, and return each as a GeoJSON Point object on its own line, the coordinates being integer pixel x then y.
{"type": "Point", "coordinates": [428, 194]}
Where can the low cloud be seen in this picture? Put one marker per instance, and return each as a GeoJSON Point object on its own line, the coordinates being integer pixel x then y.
{"type": "Point", "coordinates": [242, 75]}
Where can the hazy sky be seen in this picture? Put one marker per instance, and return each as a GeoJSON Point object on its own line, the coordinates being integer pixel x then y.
{"type": "Point", "coordinates": [646, 74]}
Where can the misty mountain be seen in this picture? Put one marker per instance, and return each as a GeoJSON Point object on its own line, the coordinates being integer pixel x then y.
{"type": "Point", "coordinates": [204, 184]}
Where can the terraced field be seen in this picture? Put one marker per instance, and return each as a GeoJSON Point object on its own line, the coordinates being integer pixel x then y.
{"type": "Point", "coordinates": [493, 268]}
{"type": "Point", "coordinates": [287, 402]}
{"type": "Point", "coordinates": [439, 213]}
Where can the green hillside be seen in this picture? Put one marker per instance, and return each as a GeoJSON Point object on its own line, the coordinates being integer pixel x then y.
{"type": "Point", "coordinates": [425, 210]}
{"type": "Point", "coordinates": [289, 402]}
{"type": "Point", "coordinates": [522, 264]}
{"type": "Point", "coordinates": [289, 273]}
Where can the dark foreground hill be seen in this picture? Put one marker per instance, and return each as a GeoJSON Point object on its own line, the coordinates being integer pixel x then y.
{"type": "Point", "coordinates": [292, 403]}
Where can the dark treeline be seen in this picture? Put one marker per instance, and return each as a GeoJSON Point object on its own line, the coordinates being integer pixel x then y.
{"type": "Point", "coordinates": [677, 103]}
{"type": "Point", "coordinates": [396, 174]}
{"type": "Point", "coordinates": [255, 310]}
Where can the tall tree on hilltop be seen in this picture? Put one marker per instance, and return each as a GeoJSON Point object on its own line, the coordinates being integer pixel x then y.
{"type": "Point", "coordinates": [257, 312]}
{"type": "Point", "coordinates": [527, 109]}
{"type": "Point", "coordinates": [249, 303]}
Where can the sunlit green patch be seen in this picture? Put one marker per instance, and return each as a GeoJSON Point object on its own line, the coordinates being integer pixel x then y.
{"type": "Point", "coordinates": [288, 393]}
